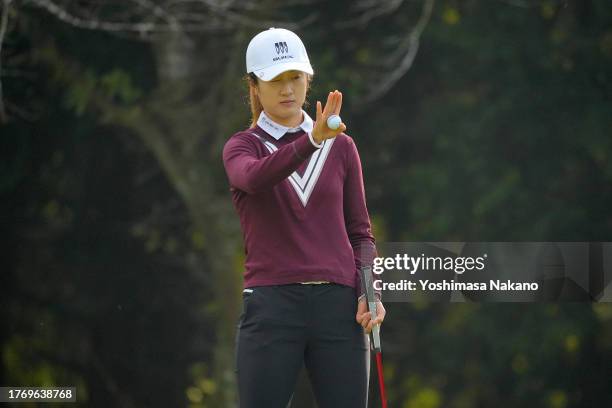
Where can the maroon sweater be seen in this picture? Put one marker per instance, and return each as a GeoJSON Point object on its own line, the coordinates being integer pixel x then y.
{"type": "Point", "coordinates": [302, 209]}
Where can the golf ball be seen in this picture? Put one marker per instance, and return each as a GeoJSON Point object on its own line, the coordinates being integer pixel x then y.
{"type": "Point", "coordinates": [333, 122]}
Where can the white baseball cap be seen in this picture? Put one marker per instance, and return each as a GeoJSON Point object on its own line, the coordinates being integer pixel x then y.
{"type": "Point", "coordinates": [275, 51]}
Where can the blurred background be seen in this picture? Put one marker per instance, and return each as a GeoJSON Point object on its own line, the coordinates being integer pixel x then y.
{"type": "Point", "coordinates": [476, 120]}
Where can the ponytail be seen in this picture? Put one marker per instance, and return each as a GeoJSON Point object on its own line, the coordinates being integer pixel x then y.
{"type": "Point", "coordinates": [256, 107]}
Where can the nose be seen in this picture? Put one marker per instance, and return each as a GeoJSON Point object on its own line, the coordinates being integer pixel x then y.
{"type": "Point", "coordinates": [286, 88]}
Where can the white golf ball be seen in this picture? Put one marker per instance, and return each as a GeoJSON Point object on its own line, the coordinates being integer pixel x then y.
{"type": "Point", "coordinates": [333, 122]}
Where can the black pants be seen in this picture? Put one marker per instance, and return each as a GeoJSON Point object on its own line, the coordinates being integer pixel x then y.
{"type": "Point", "coordinates": [284, 326]}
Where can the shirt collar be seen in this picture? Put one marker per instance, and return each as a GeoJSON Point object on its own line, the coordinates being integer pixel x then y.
{"type": "Point", "coordinates": [277, 131]}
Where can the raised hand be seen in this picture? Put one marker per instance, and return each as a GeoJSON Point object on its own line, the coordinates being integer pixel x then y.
{"type": "Point", "coordinates": [320, 131]}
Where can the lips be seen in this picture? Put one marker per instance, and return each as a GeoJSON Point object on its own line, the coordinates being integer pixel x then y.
{"type": "Point", "coordinates": [288, 102]}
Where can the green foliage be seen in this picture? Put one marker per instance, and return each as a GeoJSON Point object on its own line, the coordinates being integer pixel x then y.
{"type": "Point", "coordinates": [501, 131]}
{"type": "Point", "coordinates": [117, 84]}
{"type": "Point", "coordinates": [80, 92]}
{"type": "Point", "coordinates": [202, 387]}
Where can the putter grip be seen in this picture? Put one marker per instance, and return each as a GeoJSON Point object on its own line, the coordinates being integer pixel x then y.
{"type": "Point", "coordinates": [368, 288]}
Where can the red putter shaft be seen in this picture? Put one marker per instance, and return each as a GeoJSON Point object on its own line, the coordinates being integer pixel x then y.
{"type": "Point", "coordinates": [381, 381]}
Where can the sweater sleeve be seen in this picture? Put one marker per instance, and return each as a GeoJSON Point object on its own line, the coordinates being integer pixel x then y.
{"type": "Point", "coordinates": [251, 174]}
{"type": "Point", "coordinates": [356, 216]}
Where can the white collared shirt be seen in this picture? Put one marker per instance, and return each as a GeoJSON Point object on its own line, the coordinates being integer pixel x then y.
{"type": "Point", "coordinates": [277, 130]}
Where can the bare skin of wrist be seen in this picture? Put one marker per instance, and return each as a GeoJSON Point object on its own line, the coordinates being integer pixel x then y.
{"type": "Point", "coordinates": [320, 131]}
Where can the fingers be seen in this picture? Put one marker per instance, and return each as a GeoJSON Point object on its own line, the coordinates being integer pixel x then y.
{"type": "Point", "coordinates": [328, 105]}
{"type": "Point", "coordinates": [334, 101]}
{"type": "Point", "coordinates": [372, 323]}
{"type": "Point", "coordinates": [338, 103]}
{"type": "Point", "coordinates": [366, 321]}
{"type": "Point", "coordinates": [333, 105]}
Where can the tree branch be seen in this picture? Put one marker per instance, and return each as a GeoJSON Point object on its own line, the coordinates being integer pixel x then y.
{"type": "Point", "coordinates": [407, 51]}
{"type": "Point", "coordinates": [142, 28]}
{"type": "Point", "coordinates": [372, 10]}
{"type": "Point", "coordinates": [214, 16]}
{"type": "Point", "coordinates": [158, 11]}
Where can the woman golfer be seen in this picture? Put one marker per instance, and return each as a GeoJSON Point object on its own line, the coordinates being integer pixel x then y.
{"type": "Point", "coordinates": [298, 190]}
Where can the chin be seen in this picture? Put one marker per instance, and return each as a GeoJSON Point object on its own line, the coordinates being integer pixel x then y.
{"type": "Point", "coordinates": [288, 113]}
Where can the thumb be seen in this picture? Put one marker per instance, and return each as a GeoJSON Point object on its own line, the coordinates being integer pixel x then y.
{"type": "Point", "coordinates": [319, 111]}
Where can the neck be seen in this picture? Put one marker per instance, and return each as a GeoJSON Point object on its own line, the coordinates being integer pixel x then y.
{"type": "Point", "coordinates": [292, 122]}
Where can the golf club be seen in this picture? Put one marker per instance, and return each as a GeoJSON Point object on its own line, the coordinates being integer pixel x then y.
{"type": "Point", "coordinates": [366, 280]}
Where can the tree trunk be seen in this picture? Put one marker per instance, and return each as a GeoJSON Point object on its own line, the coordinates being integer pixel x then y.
{"type": "Point", "coordinates": [184, 123]}
{"type": "Point", "coordinates": [198, 104]}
